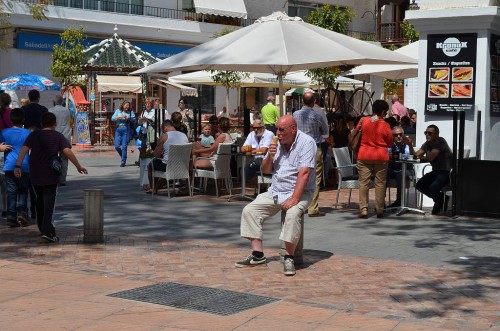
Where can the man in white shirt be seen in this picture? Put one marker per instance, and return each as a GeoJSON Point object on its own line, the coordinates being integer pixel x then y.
{"type": "Point", "coordinates": [260, 139]}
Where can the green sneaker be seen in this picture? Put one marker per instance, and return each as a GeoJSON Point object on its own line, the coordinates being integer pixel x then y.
{"type": "Point", "coordinates": [250, 261]}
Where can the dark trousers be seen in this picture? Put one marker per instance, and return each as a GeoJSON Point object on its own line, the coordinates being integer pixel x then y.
{"type": "Point", "coordinates": [271, 127]}
{"type": "Point", "coordinates": [45, 203]}
{"type": "Point", "coordinates": [432, 183]}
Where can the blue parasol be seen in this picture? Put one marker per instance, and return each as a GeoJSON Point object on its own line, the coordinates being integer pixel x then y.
{"type": "Point", "coordinates": [28, 82]}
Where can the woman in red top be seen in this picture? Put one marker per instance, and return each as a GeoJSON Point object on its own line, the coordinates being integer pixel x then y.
{"type": "Point", "coordinates": [373, 157]}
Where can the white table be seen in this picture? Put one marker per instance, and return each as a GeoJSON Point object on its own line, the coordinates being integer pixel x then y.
{"type": "Point", "coordinates": [403, 208]}
{"type": "Point", "coordinates": [242, 196]}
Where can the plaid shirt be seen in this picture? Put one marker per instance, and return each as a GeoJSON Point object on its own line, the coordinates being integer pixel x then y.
{"type": "Point", "coordinates": [286, 166]}
{"type": "Point", "coordinates": [311, 123]}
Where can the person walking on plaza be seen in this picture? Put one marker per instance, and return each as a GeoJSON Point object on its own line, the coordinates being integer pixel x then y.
{"type": "Point", "coordinates": [33, 110]}
{"type": "Point", "coordinates": [123, 117]}
{"type": "Point", "coordinates": [270, 114]}
{"type": "Point", "coordinates": [63, 120]}
{"type": "Point", "coordinates": [315, 125]}
{"type": "Point", "coordinates": [438, 153]}
{"type": "Point", "coordinates": [397, 107]}
{"type": "Point", "coordinates": [373, 156]}
{"type": "Point", "coordinates": [42, 146]}
{"type": "Point", "coordinates": [292, 162]}
{"type": "Point", "coordinates": [17, 189]}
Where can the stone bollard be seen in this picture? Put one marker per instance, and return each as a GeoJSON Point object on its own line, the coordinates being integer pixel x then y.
{"type": "Point", "coordinates": [93, 216]}
{"type": "Point", "coordinates": [297, 256]}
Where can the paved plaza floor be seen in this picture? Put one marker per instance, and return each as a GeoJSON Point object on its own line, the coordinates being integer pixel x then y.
{"type": "Point", "coordinates": [408, 272]}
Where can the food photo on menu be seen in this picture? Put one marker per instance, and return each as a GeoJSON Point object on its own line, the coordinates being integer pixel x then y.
{"type": "Point", "coordinates": [461, 91]}
{"type": "Point", "coordinates": [438, 90]}
{"type": "Point", "coordinates": [439, 74]}
{"type": "Point", "coordinates": [462, 74]}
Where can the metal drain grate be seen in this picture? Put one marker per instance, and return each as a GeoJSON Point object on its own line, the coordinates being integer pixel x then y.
{"type": "Point", "coordinates": [197, 298]}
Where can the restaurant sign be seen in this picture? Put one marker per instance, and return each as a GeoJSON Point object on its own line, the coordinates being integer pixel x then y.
{"type": "Point", "coordinates": [451, 71]}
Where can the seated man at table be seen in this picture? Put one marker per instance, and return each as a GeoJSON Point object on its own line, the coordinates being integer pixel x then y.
{"type": "Point", "coordinates": [439, 154]}
{"type": "Point", "coordinates": [170, 136]}
{"type": "Point", "coordinates": [260, 139]}
{"type": "Point", "coordinates": [399, 147]}
{"type": "Point", "coordinates": [293, 165]}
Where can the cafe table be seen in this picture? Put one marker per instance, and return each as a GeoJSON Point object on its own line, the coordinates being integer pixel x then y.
{"type": "Point", "coordinates": [242, 196]}
{"type": "Point", "coordinates": [403, 208]}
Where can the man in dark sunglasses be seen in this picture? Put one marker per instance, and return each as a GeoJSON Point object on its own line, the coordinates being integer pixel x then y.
{"type": "Point", "coordinates": [292, 162]}
{"type": "Point", "coordinates": [439, 154]}
{"type": "Point", "coordinates": [402, 146]}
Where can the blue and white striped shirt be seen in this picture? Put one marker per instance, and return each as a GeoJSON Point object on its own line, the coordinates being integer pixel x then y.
{"type": "Point", "coordinates": [311, 123]}
{"type": "Point", "coordinates": [286, 165]}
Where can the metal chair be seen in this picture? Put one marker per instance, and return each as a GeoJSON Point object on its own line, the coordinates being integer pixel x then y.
{"type": "Point", "coordinates": [177, 166]}
{"type": "Point", "coordinates": [347, 178]}
{"type": "Point", "coordinates": [264, 179]}
{"type": "Point", "coordinates": [221, 162]}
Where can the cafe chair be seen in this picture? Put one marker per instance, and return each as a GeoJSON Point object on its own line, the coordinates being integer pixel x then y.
{"type": "Point", "coordinates": [420, 170]}
{"type": "Point", "coordinates": [447, 192]}
{"type": "Point", "coordinates": [221, 162]}
{"type": "Point", "coordinates": [348, 179]}
{"type": "Point", "coordinates": [177, 166]}
{"type": "Point", "coordinates": [392, 183]}
{"type": "Point", "coordinates": [264, 179]}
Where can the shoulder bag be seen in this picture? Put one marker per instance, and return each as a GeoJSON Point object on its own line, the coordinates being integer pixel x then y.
{"type": "Point", "coordinates": [55, 162]}
{"type": "Point", "coordinates": [355, 142]}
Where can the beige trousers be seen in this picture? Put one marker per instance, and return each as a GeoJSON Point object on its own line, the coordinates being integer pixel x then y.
{"type": "Point", "coordinates": [263, 207]}
{"type": "Point", "coordinates": [365, 170]}
{"type": "Point", "coordinates": [314, 207]}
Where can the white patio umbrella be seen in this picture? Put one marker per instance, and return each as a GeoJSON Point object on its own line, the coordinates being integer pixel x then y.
{"type": "Point", "coordinates": [255, 79]}
{"type": "Point", "coordinates": [277, 44]}
{"type": "Point", "coordinates": [391, 71]}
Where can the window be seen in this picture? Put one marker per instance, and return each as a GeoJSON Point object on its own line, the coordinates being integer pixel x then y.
{"type": "Point", "coordinates": [301, 9]}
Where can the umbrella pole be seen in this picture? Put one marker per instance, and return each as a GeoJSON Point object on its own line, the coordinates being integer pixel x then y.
{"type": "Point", "coordinates": [282, 95]}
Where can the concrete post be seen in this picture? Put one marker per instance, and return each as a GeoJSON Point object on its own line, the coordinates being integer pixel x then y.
{"type": "Point", "coordinates": [93, 216]}
{"type": "Point", "coordinates": [297, 256]}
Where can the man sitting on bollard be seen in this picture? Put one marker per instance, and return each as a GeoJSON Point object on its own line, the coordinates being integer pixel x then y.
{"type": "Point", "coordinates": [293, 164]}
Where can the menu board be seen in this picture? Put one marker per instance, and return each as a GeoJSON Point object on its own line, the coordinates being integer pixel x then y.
{"type": "Point", "coordinates": [495, 75]}
{"type": "Point", "coordinates": [82, 128]}
{"type": "Point", "coordinates": [451, 71]}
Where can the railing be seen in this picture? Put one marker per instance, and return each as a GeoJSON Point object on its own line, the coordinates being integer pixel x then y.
{"type": "Point", "coordinates": [131, 9]}
{"type": "Point", "coordinates": [368, 36]}
{"type": "Point", "coordinates": [390, 32]}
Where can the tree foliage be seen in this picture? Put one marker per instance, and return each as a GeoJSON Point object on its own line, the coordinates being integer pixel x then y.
{"type": "Point", "coordinates": [68, 57]}
{"type": "Point", "coordinates": [335, 19]}
{"type": "Point", "coordinates": [37, 10]}
{"type": "Point", "coordinates": [409, 32]}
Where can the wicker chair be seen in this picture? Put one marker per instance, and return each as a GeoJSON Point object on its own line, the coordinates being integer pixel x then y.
{"type": "Point", "coordinates": [221, 163]}
{"type": "Point", "coordinates": [177, 165]}
{"type": "Point", "coordinates": [347, 178]}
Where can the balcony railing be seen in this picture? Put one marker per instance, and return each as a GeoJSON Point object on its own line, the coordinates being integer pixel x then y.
{"type": "Point", "coordinates": [390, 33]}
{"type": "Point", "coordinates": [367, 36]}
{"type": "Point", "coordinates": [128, 8]}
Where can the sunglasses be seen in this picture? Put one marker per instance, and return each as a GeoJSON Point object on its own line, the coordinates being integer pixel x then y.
{"type": "Point", "coordinates": [428, 133]}
{"type": "Point", "coordinates": [397, 134]}
{"type": "Point", "coordinates": [281, 129]}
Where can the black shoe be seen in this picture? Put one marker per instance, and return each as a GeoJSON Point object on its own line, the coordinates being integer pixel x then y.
{"type": "Point", "coordinates": [12, 223]}
{"type": "Point", "coordinates": [137, 163]}
{"type": "Point", "coordinates": [50, 237]}
{"type": "Point", "coordinates": [395, 204]}
{"type": "Point", "coordinates": [122, 165]}
{"type": "Point", "coordinates": [4, 214]}
{"type": "Point", "coordinates": [437, 209]}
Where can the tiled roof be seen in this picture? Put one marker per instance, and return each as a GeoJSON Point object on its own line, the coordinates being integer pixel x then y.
{"type": "Point", "coordinates": [117, 52]}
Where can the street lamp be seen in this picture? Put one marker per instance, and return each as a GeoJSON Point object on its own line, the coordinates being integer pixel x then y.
{"type": "Point", "coordinates": [413, 6]}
